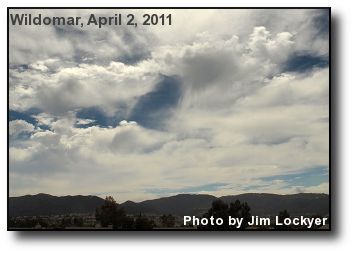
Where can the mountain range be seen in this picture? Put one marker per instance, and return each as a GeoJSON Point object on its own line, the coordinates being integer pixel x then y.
{"type": "Point", "coordinates": [262, 204]}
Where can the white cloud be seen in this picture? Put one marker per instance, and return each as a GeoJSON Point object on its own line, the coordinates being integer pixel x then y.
{"type": "Point", "coordinates": [84, 121]}
{"type": "Point", "coordinates": [17, 127]}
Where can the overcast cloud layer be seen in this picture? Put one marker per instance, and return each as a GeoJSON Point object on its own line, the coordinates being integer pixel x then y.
{"type": "Point", "coordinates": [221, 102]}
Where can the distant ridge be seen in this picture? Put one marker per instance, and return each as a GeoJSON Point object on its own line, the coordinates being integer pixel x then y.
{"type": "Point", "coordinates": [261, 204]}
{"type": "Point", "coordinates": [45, 204]}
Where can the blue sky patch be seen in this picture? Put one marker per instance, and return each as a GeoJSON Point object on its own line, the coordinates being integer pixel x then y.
{"type": "Point", "coordinates": [309, 177]}
{"type": "Point", "coordinates": [25, 116]}
{"type": "Point", "coordinates": [99, 116]}
{"type": "Point", "coordinates": [303, 63]}
{"type": "Point", "coordinates": [28, 117]}
{"type": "Point", "coordinates": [153, 108]}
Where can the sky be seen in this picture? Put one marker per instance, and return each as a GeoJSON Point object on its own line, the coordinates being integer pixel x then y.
{"type": "Point", "coordinates": [221, 102]}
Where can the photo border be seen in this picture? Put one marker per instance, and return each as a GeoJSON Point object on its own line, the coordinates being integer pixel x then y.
{"type": "Point", "coordinates": [179, 229]}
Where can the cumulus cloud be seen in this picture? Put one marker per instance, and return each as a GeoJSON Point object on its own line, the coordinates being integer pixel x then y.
{"type": "Point", "coordinates": [70, 43]}
{"type": "Point", "coordinates": [17, 127]}
{"type": "Point", "coordinates": [125, 112]}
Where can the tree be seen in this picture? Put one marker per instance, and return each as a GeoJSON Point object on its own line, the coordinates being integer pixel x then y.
{"type": "Point", "coordinates": [78, 221]}
{"type": "Point", "coordinates": [128, 223]}
{"type": "Point", "coordinates": [110, 214]}
{"type": "Point", "coordinates": [240, 210]}
{"type": "Point", "coordinates": [220, 209]}
{"type": "Point", "coordinates": [281, 217]}
{"type": "Point", "coordinates": [167, 220]}
{"type": "Point", "coordinates": [143, 223]}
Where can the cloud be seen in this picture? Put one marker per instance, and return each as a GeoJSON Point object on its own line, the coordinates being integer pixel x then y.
{"type": "Point", "coordinates": [18, 127]}
{"type": "Point", "coordinates": [220, 108]}
{"type": "Point", "coordinates": [190, 189]}
{"type": "Point", "coordinates": [74, 44]}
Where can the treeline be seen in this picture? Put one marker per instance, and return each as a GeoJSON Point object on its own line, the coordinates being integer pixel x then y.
{"type": "Point", "coordinates": [220, 209]}
{"type": "Point", "coordinates": [47, 222]}
{"type": "Point", "coordinates": [111, 215]}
